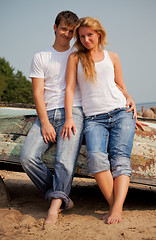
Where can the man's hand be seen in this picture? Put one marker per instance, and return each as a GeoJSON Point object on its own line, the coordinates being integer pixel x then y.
{"type": "Point", "coordinates": [139, 124]}
{"type": "Point", "coordinates": [48, 133]}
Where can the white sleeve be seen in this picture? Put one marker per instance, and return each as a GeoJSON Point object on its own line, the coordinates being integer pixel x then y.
{"type": "Point", "coordinates": [36, 70]}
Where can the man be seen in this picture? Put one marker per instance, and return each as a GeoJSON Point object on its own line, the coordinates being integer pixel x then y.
{"type": "Point", "coordinates": [48, 83]}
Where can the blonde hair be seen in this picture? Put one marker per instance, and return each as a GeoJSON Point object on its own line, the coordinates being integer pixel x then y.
{"type": "Point", "coordinates": [83, 53]}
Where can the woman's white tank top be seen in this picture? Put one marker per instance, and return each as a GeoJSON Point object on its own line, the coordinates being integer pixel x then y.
{"type": "Point", "coordinates": [102, 96]}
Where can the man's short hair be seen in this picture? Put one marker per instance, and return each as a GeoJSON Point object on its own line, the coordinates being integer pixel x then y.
{"type": "Point", "coordinates": [68, 17]}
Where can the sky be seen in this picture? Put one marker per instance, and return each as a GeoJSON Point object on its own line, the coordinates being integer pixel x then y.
{"type": "Point", "coordinates": [26, 27]}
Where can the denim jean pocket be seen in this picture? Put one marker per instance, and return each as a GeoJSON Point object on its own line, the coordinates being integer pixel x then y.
{"type": "Point", "coordinates": [88, 124]}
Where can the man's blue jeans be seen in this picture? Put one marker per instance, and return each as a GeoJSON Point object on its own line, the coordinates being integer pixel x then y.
{"type": "Point", "coordinates": [59, 185]}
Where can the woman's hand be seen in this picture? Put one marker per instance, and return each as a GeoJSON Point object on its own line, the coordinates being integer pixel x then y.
{"type": "Point", "coordinates": [68, 126]}
{"type": "Point", "coordinates": [130, 103]}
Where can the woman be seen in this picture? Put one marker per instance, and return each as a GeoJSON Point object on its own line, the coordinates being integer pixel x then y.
{"type": "Point", "coordinates": [109, 127]}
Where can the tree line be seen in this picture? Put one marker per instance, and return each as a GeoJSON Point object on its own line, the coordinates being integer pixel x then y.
{"type": "Point", "coordinates": [14, 87]}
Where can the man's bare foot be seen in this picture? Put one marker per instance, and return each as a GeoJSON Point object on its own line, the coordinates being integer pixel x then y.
{"type": "Point", "coordinates": [51, 218]}
{"type": "Point", "coordinates": [71, 204]}
{"type": "Point", "coordinates": [114, 216]}
{"type": "Point", "coordinates": [53, 211]}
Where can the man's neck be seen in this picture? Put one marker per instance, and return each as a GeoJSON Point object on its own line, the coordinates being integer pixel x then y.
{"type": "Point", "coordinates": [60, 48]}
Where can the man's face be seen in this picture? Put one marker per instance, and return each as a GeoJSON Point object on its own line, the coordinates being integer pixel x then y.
{"type": "Point", "coordinates": [63, 33]}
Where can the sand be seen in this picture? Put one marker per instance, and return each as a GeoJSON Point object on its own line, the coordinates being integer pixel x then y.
{"type": "Point", "coordinates": [23, 217]}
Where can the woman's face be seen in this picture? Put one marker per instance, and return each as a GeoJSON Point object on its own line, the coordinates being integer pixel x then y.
{"type": "Point", "coordinates": [88, 37]}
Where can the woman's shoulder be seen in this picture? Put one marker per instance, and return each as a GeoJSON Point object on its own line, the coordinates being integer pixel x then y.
{"type": "Point", "coordinates": [73, 57]}
{"type": "Point", "coordinates": [113, 56]}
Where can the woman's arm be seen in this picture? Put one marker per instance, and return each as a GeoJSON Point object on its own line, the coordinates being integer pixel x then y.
{"type": "Point", "coordinates": [129, 100]}
{"type": "Point", "coordinates": [120, 82]}
{"type": "Point", "coordinates": [121, 85]}
{"type": "Point", "coordinates": [71, 72]}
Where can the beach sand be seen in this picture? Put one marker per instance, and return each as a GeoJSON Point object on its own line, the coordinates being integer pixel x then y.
{"type": "Point", "coordinates": [23, 218]}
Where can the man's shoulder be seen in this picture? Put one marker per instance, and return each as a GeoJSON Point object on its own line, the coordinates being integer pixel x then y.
{"type": "Point", "coordinates": [43, 52]}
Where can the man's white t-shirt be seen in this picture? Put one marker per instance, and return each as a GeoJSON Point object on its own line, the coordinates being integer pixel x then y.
{"type": "Point", "coordinates": [51, 66]}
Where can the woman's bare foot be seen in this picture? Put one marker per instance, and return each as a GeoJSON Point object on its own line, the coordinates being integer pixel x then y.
{"type": "Point", "coordinates": [105, 216]}
{"type": "Point", "coordinates": [114, 216]}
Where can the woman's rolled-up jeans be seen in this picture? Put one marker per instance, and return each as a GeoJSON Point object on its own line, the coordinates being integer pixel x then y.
{"type": "Point", "coordinates": [109, 141]}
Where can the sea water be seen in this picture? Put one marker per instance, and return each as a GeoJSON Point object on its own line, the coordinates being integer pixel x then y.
{"type": "Point", "coordinates": [10, 111]}
{"type": "Point", "coordinates": [145, 105]}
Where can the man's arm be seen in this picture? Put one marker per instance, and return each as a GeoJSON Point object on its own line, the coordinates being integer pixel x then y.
{"type": "Point", "coordinates": [47, 129]}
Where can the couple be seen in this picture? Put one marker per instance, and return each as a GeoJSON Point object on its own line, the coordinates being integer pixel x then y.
{"type": "Point", "coordinates": [93, 80]}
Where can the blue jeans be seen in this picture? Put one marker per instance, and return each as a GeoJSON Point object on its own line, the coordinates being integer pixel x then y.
{"type": "Point", "coordinates": [109, 141]}
{"type": "Point", "coordinates": [59, 185]}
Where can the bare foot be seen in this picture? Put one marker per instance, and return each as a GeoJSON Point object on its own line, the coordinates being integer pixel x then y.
{"type": "Point", "coordinates": [115, 216]}
{"type": "Point", "coordinates": [53, 212]}
{"type": "Point", "coordinates": [71, 204]}
{"type": "Point", "coordinates": [105, 216]}
{"type": "Point", "coordinates": [51, 218]}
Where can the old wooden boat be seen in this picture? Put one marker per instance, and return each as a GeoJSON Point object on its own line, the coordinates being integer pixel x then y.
{"type": "Point", "coordinates": [13, 131]}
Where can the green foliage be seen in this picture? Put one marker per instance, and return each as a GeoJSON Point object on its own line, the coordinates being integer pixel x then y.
{"type": "Point", "coordinates": [15, 88]}
{"type": "Point", "coordinates": [2, 83]}
{"type": "Point", "coordinates": [6, 69]}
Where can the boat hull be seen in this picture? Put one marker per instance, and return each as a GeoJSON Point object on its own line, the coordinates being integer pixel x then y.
{"type": "Point", "coordinates": [13, 131]}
